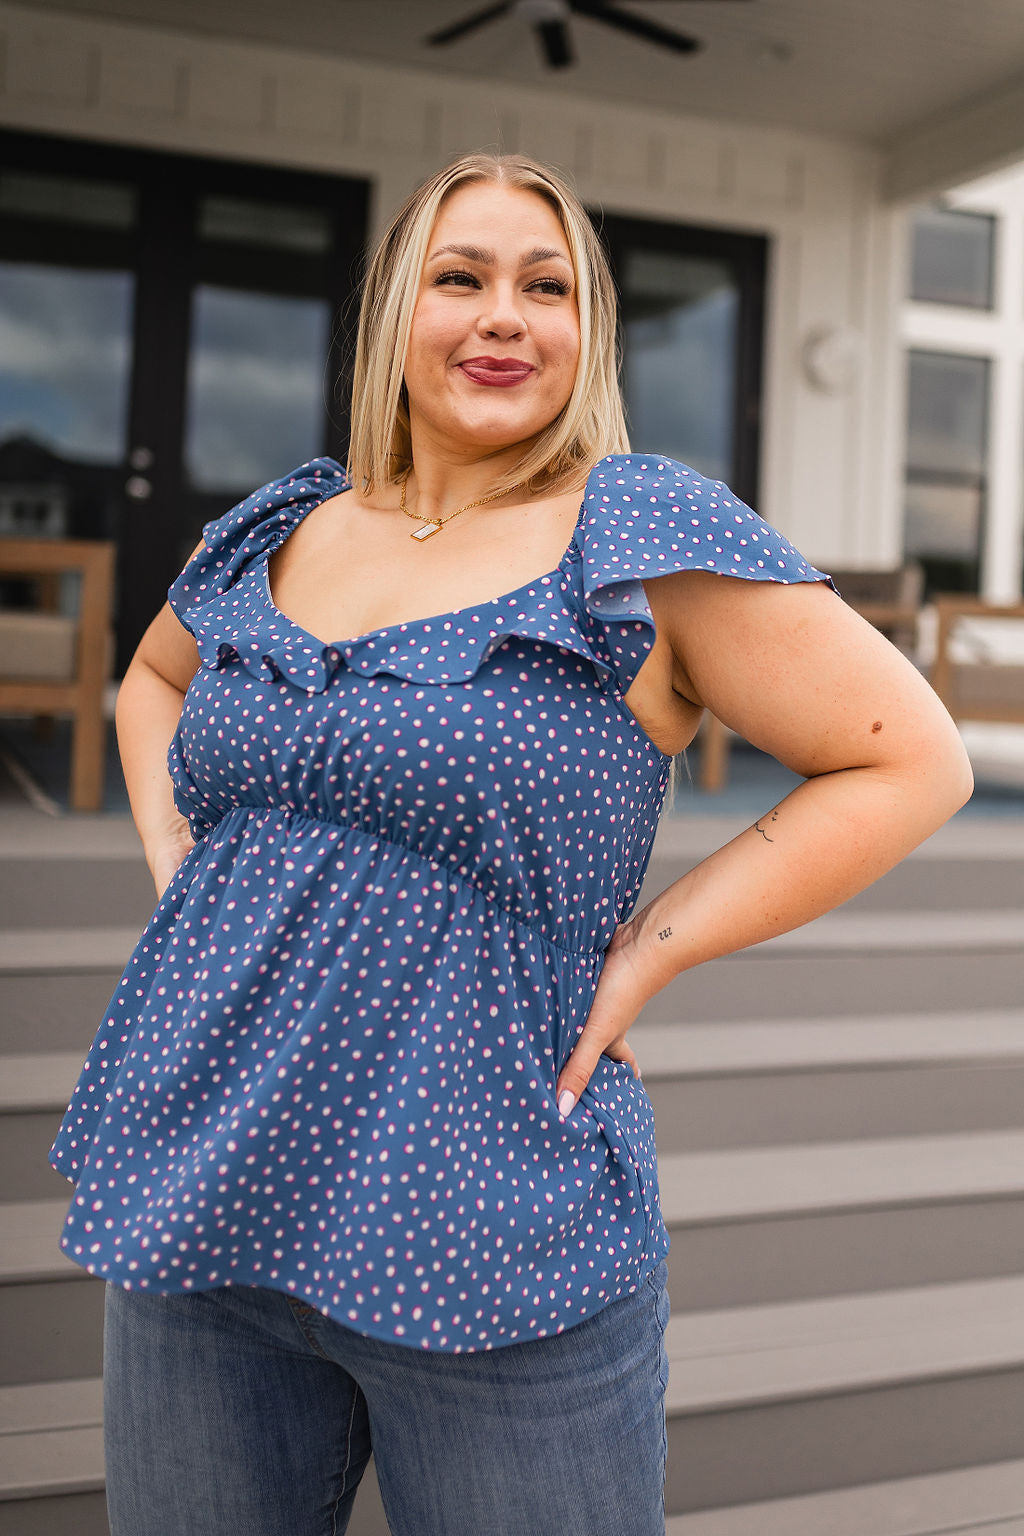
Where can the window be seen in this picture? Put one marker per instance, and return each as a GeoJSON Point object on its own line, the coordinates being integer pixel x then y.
{"type": "Point", "coordinates": [67, 199]}
{"type": "Point", "coordinates": [952, 257]}
{"type": "Point", "coordinates": [947, 432]}
{"type": "Point", "coordinates": [278, 226]}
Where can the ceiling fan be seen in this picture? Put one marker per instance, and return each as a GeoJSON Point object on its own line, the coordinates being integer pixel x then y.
{"type": "Point", "coordinates": [549, 19]}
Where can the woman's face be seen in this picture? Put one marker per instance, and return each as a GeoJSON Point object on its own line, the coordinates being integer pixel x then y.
{"type": "Point", "coordinates": [497, 288]}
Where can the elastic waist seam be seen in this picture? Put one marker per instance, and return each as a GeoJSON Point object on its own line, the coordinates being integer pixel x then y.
{"type": "Point", "coordinates": [441, 869]}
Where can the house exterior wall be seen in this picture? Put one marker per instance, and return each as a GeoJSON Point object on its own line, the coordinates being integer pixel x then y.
{"type": "Point", "coordinates": [831, 451]}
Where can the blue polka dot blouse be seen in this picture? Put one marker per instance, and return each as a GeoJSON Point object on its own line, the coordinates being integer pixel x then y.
{"type": "Point", "coordinates": [329, 1065]}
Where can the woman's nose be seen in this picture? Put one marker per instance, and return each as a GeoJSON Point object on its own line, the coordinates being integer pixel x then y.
{"type": "Point", "coordinates": [501, 315]}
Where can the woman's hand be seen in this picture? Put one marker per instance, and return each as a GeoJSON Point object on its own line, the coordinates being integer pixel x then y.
{"type": "Point", "coordinates": [166, 855]}
{"type": "Point", "coordinates": [619, 997]}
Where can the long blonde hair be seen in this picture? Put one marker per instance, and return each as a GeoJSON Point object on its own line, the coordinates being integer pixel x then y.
{"type": "Point", "coordinates": [590, 425]}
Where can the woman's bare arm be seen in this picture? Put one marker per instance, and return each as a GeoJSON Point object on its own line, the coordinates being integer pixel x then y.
{"type": "Point", "coordinates": [802, 676]}
{"type": "Point", "coordinates": [148, 708]}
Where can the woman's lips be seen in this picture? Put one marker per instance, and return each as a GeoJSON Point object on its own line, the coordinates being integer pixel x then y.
{"type": "Point", "coordinates": [504, 377]}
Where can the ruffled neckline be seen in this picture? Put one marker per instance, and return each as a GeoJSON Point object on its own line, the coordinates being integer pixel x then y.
{"type": "Point", "coordinates": [244, 621]}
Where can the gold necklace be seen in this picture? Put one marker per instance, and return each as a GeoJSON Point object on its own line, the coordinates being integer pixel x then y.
{"type": "Point", "coordinates": [434, 525]}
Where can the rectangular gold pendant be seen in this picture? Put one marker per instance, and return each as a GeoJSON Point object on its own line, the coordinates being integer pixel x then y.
{"type": "Point", "coordinates": [426, 531]}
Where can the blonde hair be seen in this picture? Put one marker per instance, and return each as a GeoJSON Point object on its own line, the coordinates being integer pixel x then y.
{"type": "Point", "coordinates": [590, 425]}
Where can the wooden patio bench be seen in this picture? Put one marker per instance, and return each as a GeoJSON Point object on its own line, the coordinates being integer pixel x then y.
{"type": "Point", "coordinates": [983, 688]}
{"type": "Point", "coordinates": [54, 664]}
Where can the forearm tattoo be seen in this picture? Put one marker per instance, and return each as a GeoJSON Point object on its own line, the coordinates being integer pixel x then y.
{"type": "Point", "coordinates": [772, 819]}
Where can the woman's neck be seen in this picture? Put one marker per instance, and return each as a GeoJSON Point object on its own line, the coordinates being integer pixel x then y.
{"type": "Point", "coordinates": [442, 480]}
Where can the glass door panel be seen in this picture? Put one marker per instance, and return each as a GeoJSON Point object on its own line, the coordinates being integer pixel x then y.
{"type": "Point", "coordinates": [65, 360]}
{"type": "Point", "coordinates": [691, 305]}
{"type": "Point", "coordinates": [65, 379]}
{"type": "Point", "coordinates": [680, 317]}
{"type": "Point", "coordinates": [255, 396]}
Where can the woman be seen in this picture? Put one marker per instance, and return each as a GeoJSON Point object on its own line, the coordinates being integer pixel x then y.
{"type": "Point", "coordinates": [361, 1147]}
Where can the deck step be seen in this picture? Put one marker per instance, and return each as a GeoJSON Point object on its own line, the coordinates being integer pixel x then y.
{"type": "Point", "coordinates": [780, 1045]}
{"type": "Point", "coordinates": [50, 1405]}
{"type": "Point", "coordinates": [932, 885]}
{"type": "Point", "coordinates": [50, 893]}
{"type": "Point", "coordinates": [986, 1500]}
{"type": "Point", "coordinates": [30, 1250]}
{"type": "Point", "coordinates": [755, 1182]}
{"type": "Point", "coordinates": [47, 1462]}
{"type": "Point", "coordinates": [54, 1011]}
{"type": "Point", "coordinates": [51, 1438]}
{"type": "Point", "coordinates": [784, 1081]}
{"type": "Point", "coordinates": [873, 931]}
{"type": "Point", "coordinates": [41, 1081]}
{"type": "Point", "coordinates": [740, 1356]}
{"type": "Point", "coordinates": [966, 883]}
{"type": "Point", "coordinates": [687, 839]}
{"type": "Point", "coordinates": [53, 950]}
{"type": "Point", "coordinates": [788, 1223]}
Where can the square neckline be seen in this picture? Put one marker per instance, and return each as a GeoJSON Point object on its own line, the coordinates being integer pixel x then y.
{"type": "Point", "coordinates": [431, 618]}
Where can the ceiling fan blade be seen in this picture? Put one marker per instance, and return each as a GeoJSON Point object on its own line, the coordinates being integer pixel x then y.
{"type": "Point", "coordinates": [469, 23]}
{"type": "Point", "coordinates": [554, 37]}
{"type": "Point", "coordinates": [638, 26]}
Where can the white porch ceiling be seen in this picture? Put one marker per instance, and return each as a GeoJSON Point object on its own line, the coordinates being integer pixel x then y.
{"type": "Point", "coordinates": [937, 83]}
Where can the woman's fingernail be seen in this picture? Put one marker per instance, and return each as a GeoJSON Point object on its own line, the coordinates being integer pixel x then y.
{"type": "Point", "coordinates": [566, 1100]}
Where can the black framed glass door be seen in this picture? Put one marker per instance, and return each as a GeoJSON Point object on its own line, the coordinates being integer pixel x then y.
{"type": "Point", "coordinates": [173, 331]}
{"type": "Point", "coordinates": [692, 323]}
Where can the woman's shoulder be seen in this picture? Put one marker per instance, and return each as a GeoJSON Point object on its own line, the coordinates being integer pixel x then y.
{"type": "Point", "coordinates": [251, 528]}
{"type": "Point", "coordinates": [273, 506]}
{"type": "Point", "coordinates": [650, 514]}
{"type": "Point", "coordinates": [665, 480]}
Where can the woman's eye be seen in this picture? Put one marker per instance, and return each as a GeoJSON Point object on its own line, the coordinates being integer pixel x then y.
{"type": "Point", "coordinates": [552, 285]}
{"type": "Point", "coordinates": [444, 277]}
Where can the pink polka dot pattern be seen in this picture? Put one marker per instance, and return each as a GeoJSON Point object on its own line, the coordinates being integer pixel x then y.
{"type": "Point", "coordinates": [329, 1065]}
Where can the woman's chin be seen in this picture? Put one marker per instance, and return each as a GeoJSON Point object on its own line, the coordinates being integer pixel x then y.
{"type": "Point", "coordinates": [494, 430]}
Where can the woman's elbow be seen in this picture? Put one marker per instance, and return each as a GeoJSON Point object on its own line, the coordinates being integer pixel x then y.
{"type": "Point", "coordinates": [962, 774]}
{"type": "Point", "coordinates": [944, 772]}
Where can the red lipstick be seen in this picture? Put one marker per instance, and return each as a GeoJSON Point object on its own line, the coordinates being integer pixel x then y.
{"type": "Point", "coordinates": [502, 371]}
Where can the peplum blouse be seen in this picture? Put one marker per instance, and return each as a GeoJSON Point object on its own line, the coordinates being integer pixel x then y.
{"type": "Point", "coordinates": [329, 1064]}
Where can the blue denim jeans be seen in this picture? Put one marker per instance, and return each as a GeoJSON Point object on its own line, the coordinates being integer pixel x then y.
{"type": "Point", "coordinates": [242, 1411]}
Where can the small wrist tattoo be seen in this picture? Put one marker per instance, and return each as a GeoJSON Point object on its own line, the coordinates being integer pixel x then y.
{"type": "Point", "coordinates": [773, 818]}
{"type": "Point", "coordinates": [664, 933]}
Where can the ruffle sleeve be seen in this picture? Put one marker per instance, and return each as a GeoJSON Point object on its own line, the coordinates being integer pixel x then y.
{"type": "Point", "coordinates": [206, 596]}
{"type": "Point", "coordinates": [649, 516]}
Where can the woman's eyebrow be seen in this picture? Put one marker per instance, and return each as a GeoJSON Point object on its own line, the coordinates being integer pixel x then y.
{"type": "Point", "coordinates": [488, 258]}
